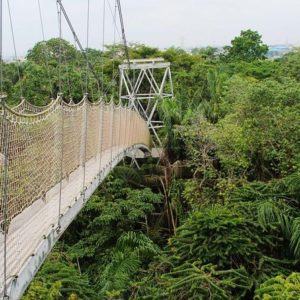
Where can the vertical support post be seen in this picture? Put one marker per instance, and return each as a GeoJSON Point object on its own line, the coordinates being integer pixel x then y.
{"type": "Point", "coordinates": [120, 128]}
{"type": "Point", "coordinates": [171, 81]}
{"type": "Point", "coordinates": [125, 140]}
{"type": "Point", "coordinates": [4, 190]}
{"type": "Point", "coordinates": [121, 83]}
{"type": "Point", "coordinates": [85, 143]}
{"type": "Point", "coordinates": [111, 134]}
{"type": "Point", "coordinates": [100, 138]}
{"type": "Point", "coordinates": [61, 176]}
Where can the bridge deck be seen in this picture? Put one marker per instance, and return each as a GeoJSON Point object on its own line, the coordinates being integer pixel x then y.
{"type": "Point", "coordinates": [31, 227]}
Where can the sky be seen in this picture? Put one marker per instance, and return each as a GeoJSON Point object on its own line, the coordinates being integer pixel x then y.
{"type": "Point", "coordinates": [159, 23]}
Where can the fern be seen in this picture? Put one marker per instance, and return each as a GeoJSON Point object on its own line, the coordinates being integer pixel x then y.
{"type": "Point", "coordinates": [295, 238]}
{"type": "Point", "coordinates": [118, 272]}
{"type": "Point", "coordinates": [270, 212]}
{"type": "Point", "coordinates": [139, 243]}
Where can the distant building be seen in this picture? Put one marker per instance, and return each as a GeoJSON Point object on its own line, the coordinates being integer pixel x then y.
{"type": "Point", "coordinates": [277, 51]}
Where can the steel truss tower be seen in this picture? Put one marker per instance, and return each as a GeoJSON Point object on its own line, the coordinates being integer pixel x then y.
{"type": "Point", "coordinates": [144, 83]}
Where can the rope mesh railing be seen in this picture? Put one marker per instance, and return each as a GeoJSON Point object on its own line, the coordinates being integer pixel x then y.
{"type": "Point", "coordinates": [25, 107]}
{"type": "Point", "coordinates": [56, 149]}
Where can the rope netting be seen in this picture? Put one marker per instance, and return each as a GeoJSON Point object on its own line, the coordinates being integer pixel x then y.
{"type": "Point", "coordinates": [25, 107]}
{"type": "Point", "coordinates": [48, 156]}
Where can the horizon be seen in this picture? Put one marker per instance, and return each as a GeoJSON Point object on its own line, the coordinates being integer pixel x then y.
{"type": "Point", "coordinates": [11, 57]}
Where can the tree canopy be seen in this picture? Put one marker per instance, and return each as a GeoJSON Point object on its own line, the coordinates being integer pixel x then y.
{"type": "Point", "coordinates": [218, 216]}
{"type": "Point", "coordinates": [246, 47]}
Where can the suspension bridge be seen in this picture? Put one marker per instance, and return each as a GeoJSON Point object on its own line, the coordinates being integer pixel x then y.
{"type": "Point", "coordinates": [53, 158]}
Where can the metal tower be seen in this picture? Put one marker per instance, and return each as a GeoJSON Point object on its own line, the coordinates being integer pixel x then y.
{"type": "Point", "coordinates": [143, 84]}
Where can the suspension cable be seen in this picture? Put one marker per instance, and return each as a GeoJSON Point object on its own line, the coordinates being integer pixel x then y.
{"type": "Point", "coordinates": [103, 45]}
{"type": "Point", "coordinates": [41, 20]}
{"type": "Point", "coordinates": [87, 47]}
{"type": "Point", "coordinates": [126, 50]}
{"type": "Point", "coordinates": [114, 42]}
{"type": "Point", "coordinates": [112, 12]}
{"type": "Point", "coordinates": [15, 47]}
{"type": "Point", "coordinates": [45, 48]}
{"type": "Point", "coordinates": [60, 48]}
{"type": "Point", "coordinates": [59, 2]}
{"type": "Point", "coordinates": [1, 47]}
{"type": "Point", "coordinates": [123, 33]}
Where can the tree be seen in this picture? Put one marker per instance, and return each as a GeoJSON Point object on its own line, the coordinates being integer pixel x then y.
{"type": "Point", "coordinates": [246, 47]}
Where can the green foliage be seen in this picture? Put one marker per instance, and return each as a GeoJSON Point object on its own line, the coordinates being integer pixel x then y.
{"type": "Point", "coordinates": [259, 138]}
{"type": "Point", "coordinates": [58, 279]}
{"type": "Point", "coordinates": [290, 64]}
{"type": "Point", "coordinates": [218, 215]}
{"type": "Point", "coordinates": [209, 53]}
{"type": "Point", "coordinates": [131, 251]}
{"type": "Point", "coordinates": [280, 287]}
{"type": "Point", "coordinates": [217, 235]}
{"type": "Point", "coordinates": [38, 291]}
{"type": "Point", "coordinates": [246, 47]}
{"type": "Point", "coordinates": [198, 281]}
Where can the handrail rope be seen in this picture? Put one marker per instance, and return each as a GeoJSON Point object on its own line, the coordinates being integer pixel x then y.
{"type": "Point", "coordinates": [16, 107]}
{"type": "Point", "coordinates": [15, 48]}
{"type": "Point", "coordinates": [38, 106]}
{"type": "Point", "coordinates": [32, 115]}
{"type": "Point", "coordinates": [25, 106]}
{"type": "Point", "coordinates": [58, 101]}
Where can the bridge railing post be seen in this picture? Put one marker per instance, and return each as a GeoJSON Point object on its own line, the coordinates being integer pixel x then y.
{"type": "Point", "coordinates": [4, 161]}
{"type": "Point", "coordinates": [85, 143]}
{"type": "Point", "coordinates": [126, 126]}
{"type": "Point", "coordinates": [61, 176]}
{"type": "Point", "coordinates": [112, 108]}
{"type": "Point", "coordinates": [120, 110]}
{"type": "Point", "coordinates": [101, 109]}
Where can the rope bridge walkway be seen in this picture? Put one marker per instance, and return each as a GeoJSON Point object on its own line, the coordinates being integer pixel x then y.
{"type": "Point", "coordinates": [52, 159]}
